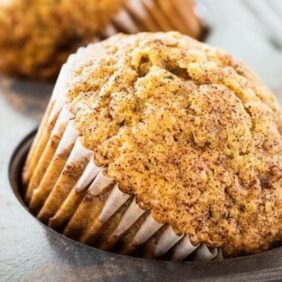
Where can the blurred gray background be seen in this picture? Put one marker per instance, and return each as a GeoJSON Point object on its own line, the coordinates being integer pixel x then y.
{"type": "Point", "coordinates": [248, 29]}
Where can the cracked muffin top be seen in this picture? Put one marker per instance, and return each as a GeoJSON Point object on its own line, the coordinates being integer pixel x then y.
{"type": "Point", "coordinates": [36, 36]}
{"type": "Point", "coordinates": [190, 131]}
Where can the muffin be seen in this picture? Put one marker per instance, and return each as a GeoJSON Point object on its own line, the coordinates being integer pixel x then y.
{"type": "Point", "coordinates": [159, 146]}
{"type": "Point", "coordinates": [37, 36]}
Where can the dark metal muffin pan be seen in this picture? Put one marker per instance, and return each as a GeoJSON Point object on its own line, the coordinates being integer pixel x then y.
{"type": "Point", "coordinates": [30, 251]}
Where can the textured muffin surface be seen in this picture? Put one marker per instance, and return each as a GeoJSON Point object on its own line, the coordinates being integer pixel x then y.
{"type": "Point", "coordinates": [190, 131]}
{"type": "Point", "coordinates": [36, 36]}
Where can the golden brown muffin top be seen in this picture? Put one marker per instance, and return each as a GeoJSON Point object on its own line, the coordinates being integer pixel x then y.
{"type": "Point", "coordinates": [189, 130]}
{"type": "Point", "coordinates": [36, 36]}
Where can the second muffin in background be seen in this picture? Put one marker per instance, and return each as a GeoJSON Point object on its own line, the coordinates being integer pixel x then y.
{"type": "Point", "coordinates": [37, 36]}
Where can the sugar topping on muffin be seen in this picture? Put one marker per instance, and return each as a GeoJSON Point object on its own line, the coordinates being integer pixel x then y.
{"type": "Point", "coordinates": [190, 131]}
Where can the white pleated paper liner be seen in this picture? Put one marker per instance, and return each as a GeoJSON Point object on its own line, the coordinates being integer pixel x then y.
{"type": "Point", "coordinates": [55, 105]}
